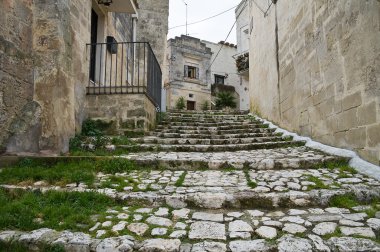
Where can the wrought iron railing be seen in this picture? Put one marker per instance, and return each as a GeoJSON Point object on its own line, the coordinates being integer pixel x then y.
{"type": "Point", "coordinates": [124, 68]}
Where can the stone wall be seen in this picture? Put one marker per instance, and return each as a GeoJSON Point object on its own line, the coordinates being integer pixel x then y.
{"type": "Point", "coordinates": [327, 83]}
{"type": "Point", "coordinates": [153, 25]}
{"type": "Point", "coordinates": [126, 112]}
{"type": "Point", "coordinates": [17, 109]}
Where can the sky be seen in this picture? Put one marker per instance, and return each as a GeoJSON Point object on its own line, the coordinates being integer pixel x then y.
{"type": "Point", "coordinates": [214, 30]}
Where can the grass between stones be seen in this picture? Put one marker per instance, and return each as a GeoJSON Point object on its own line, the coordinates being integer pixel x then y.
{"type": "Point", "coordinates": [25, 210]}
{"type": "Point", "coordinates": [350, 200]}
{"type": "Point", "coordinates": [318, 183]}
{"type": "Point", "coordinates": [181, 179]}
{"type": "Point", "coordinates": [28, 171]}
{"type": "Point", "coordinates": [250, 183]}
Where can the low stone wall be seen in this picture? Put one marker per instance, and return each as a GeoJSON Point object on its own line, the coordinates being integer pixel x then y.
{"type": "Point", "coordinates": [126, 111]}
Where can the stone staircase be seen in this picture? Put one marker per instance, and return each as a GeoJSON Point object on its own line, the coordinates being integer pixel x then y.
{"type": "Point", "coordinates": [213, 166]}
{"type": "Point", "coordinates": [210, 132]}
{"type": "Point", "coordinates": [226, 182]}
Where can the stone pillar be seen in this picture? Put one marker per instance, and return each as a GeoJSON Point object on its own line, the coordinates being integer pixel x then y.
{"type": "Point", "coordinates": [53, 85]}
{"type": "Point", "coordinates": [152, 25]}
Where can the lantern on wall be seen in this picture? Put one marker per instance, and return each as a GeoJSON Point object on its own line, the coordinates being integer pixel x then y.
{"type": "Point", "coordinates": [105, 2]}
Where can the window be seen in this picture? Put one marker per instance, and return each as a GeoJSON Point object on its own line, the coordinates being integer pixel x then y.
{"type": "Point", "coordinates": [219, 79]}
{"type": "Point", "coordinates": [191, 95]}
{"type": "Point", "coordinates": [192, 72]}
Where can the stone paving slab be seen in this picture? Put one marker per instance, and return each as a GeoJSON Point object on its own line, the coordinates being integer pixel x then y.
{"type": "Point", "coordinates": [263, 159]}
{"type": "Point", "coordinates": [301, 229]}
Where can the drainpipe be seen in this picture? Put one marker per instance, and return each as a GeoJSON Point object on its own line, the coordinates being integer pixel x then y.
{"type": "Point", "coordinates": [277, 60]}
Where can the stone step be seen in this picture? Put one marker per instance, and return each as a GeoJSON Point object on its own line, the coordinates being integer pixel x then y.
{"type": "Point", "coordinates": [207, 124]}
{"type": "Point", "coordinates": [218, 132]}
{"type": "Point", "coordinates": [209, 136]}
{"type": "Point", "coordinates": [262, 159]}
{"type": "Point", "coordinates": [208, 118]}
{"type": "Point", "coordinates": [230, 189]}
{"type": "Point", "coordinates": [209, 148]}
{"type": "Point", "coordinates": [206, 141]}
{"type": "Point", "coordinates": [211, 129]}
{"type": "Point", "coordinates": [208, 112]}
{"type": "Point", "coordinates": [187, 229]}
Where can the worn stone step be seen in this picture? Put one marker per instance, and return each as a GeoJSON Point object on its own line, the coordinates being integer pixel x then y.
{"type": "Point", "coordinates": [204, 136]}
{"type": "Point", "coordinates": [262, 159]}
{"type": "Point", "coordinates": [208, 118]}
{"type": "Point", "coordinates": [206, 141]}
{"type": "Point", "coordinates": [207, 124]}
{"type": "Point", "coordinates": [230, 189]}
{"type": "Point", "coordinates": [222, 127]}
{"type": "Point", "coordinates": [189, 229]}
{"type": "Point", "coordinates": [208, 112]}
{"type": "Point", "coordinates": [218, 132]}
{"type": "Point", "coordinates": [209, 148]}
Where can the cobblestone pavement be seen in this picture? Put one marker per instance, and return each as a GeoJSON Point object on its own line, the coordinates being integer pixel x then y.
{"type": "Point", "coordinates": [163, 228]}
{"type": "Point", "coordinates": [254, 190]}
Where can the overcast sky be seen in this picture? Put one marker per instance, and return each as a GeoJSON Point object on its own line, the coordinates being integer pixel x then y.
{"type": "Point", "coordinates": [213, 30]}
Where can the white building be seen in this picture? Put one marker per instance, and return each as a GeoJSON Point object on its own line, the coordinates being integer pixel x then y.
{"type": "Point", "coordinates": [223, 70]}
{"type": "Point", "coordinates": [242, 54]}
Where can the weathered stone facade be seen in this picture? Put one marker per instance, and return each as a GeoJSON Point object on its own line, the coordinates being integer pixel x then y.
{"type": "Point", "coordinates": [188, 51]}
{"type": "Point", "coordinates": [325, 81]}
{"type": "Point", "coordinates": [44, 69]}
{"type": "Point", "coordinates": [16, 83]}
{"type": "Point", "coordinates": [153, 25]}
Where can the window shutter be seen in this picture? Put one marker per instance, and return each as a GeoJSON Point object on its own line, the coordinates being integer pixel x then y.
{"type": "Point", "coordinates": [185, 74]}
{"type": "Point", "coordinates": [197, 73]}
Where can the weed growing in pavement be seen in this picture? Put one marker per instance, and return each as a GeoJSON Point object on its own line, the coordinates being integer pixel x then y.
{"type": "Point", "coordinates": [250, 183]}
{"type": "Point", "coordinates": [181, 179]}
{"type": "Point", "coordinates": [318, 183]}
{"type": "Point", "coordinates": [62, 173]}
{"type": "Point", "coordinates": [57, 210]}
{"type": "Point", "coordinates": [344, 201]}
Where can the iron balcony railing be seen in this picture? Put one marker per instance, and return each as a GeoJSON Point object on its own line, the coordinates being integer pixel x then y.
{"type": "Point", "coordinates": [124, 68]}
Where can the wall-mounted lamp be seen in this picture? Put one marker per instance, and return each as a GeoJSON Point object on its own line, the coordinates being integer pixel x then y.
{"type": "Point", "coordinates": [105, 2]}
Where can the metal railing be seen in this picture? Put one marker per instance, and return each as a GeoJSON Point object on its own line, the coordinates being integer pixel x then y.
{"type": "Point", "coordinates": [124, 68]}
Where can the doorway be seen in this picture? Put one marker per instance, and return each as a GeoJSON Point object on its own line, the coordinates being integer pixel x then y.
{"type": "Point", "coordinates": [94, 38]}
{"type": "Point", "coordinates": [190, 105]}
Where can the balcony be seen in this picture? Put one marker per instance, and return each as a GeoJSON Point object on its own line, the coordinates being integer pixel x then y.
{"type": "Point", "coordinates": [124, 6]}
{"type": "Point", "coordinates": [124, 68]}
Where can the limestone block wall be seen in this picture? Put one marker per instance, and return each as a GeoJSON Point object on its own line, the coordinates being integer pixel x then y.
{"type": "Point", "coordinates": [327, 83]}
{"type": "Point", "coordinates": [153, 25]}
{"type": "Point", "coordinates": [18, 112]}
{"type": "Point", "coordinates": [126, 112]}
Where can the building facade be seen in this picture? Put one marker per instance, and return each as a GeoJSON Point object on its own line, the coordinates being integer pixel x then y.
{"type": "Point", "coordinates": [223, 71]}
{"type": "Point", "coordinates": [315, 69]}
{"type": "Point", "coordinates": [48, 67]}
{"type": "Point", "coordinates": [187, 73]}
{"type": "Point", "coordinates": [242, 53]}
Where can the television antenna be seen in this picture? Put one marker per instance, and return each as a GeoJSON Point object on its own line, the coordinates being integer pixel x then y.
{"type": "Point", "coordinates": [186, 16]}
